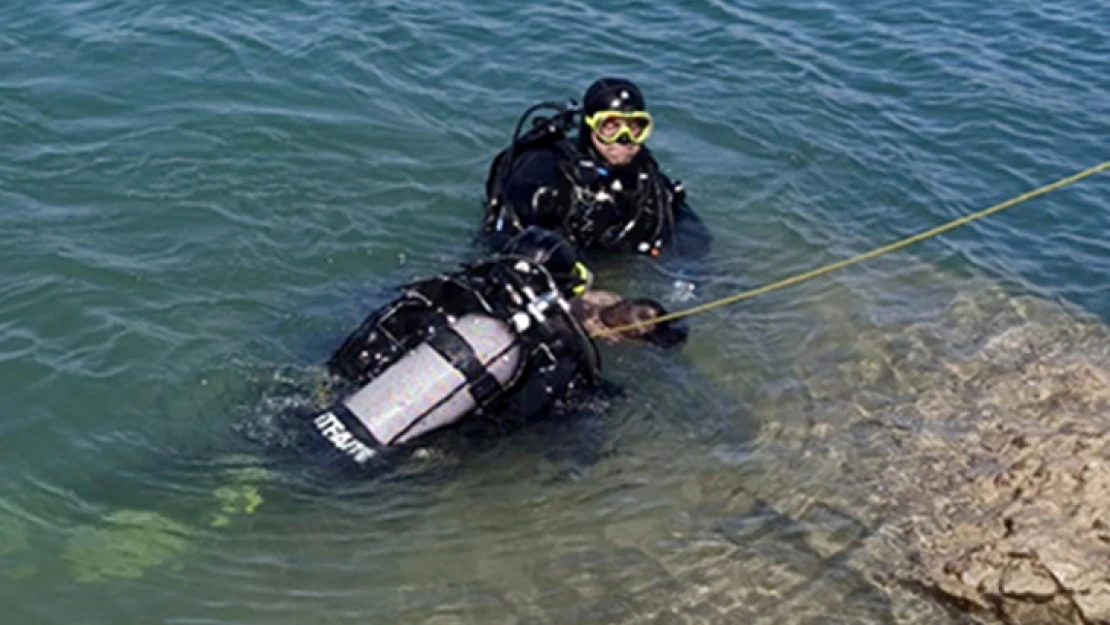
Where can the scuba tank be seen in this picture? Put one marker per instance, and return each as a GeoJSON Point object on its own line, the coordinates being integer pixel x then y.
{"type": "Point", "coordinates": [459, 344]}
{"type": "Point", "coordinates": [458, 368]}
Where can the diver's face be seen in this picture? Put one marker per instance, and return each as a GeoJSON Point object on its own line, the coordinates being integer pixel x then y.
{"type": "Point", "coordinates": [617, 154]}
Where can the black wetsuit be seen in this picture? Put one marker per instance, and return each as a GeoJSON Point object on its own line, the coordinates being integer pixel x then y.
{"type": "Point", "coordinates": [565, 186]}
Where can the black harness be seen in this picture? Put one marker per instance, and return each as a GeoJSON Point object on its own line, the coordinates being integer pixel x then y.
{"type": "Point", "coordinates": [555, 347]}
{"type": "Point", "coordinates": [604, 213]}
{"type": "Point", "coordinates": [600, 211]}
{"type": "Point", "coordinates": [546, 133]}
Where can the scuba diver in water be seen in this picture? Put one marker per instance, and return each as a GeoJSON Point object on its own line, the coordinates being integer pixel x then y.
{"type": "Point", "coordinates": [602, 189]}
{"type": "Point", "coordinates": [505, 337]}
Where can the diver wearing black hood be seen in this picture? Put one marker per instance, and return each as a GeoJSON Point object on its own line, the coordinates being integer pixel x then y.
{"type": "Point", "coordinates": [602, 189]}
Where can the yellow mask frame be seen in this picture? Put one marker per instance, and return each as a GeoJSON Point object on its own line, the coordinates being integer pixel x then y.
{"type": "Point", "coordinates": [630, 118]}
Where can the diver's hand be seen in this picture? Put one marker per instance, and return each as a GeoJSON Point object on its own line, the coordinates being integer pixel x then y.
{"type": "Point", "coordinates": [640, 313]}
{"type": "Point", "coordinates": [601, 311]}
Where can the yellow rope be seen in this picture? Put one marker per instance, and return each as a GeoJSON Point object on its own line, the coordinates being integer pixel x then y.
{"type": "Point", "coordinates": [820, 271]}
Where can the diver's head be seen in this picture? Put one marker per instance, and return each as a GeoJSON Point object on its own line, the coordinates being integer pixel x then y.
{"type": "Point", "coordinates": [615, 118]}
{"type": "Point", "coordinates": [556, 254]}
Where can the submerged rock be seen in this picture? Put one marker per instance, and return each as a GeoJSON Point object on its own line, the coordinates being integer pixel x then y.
{"type": "Point", "coordinates": [976, 449]}
{"type": "Point", "coordinates": [128, 542]}
{"type": "Point", "coordinates": [239, 496]}
{"type": "Point", "coordinates": [13, 536]}
{"type": "Point", "coordinates": [14, 543]}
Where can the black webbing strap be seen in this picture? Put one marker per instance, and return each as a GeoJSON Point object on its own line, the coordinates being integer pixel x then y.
{"type": "Point", "coordinates": [455, 350]}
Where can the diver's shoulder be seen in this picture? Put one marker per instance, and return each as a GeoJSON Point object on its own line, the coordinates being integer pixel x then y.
{"type": "Point", "coordinates": [542, 156]}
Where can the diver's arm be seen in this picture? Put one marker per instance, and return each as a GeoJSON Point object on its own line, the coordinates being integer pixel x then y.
{"type": "Point", "coordinates": [692, 238]}
{"type": "Point", "coordinates": [533, 190]}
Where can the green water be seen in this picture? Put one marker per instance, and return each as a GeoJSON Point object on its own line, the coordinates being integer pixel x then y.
{"type": "Point", "coordinates": [198, 200]}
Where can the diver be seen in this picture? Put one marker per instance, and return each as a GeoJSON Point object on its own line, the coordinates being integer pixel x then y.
{"type": "Point", "coordinates": [602, 189]}
{"type": "Point", "coordinates": [504, 337]}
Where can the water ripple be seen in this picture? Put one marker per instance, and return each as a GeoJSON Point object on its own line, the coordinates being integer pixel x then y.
{"type": "Point", "coordinates": [197, 202]}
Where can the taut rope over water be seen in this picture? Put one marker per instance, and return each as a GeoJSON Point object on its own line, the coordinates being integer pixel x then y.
{"type": "Point", "coordinates": [897, 245]}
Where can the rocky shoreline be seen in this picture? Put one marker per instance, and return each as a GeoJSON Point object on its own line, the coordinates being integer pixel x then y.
{"type": "Point", "coordinates": [976, 451]}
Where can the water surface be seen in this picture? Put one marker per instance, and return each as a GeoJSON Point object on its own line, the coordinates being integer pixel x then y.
{"type": "Point", "coordinates": [198, 201]}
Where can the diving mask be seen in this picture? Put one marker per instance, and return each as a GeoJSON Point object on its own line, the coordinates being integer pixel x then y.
{"type": "Point", "coordinates": [613, 126]}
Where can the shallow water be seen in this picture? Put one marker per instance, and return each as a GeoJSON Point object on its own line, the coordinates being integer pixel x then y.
{"type": "Point", "coordinates": [197, 202]}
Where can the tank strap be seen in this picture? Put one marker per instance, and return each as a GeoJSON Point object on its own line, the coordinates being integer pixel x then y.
{"type": "Point", "coordinates": [456, 351]}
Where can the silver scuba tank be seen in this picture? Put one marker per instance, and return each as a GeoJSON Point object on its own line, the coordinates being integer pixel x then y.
{"type": "Point", "coordinates": [424, 391]}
